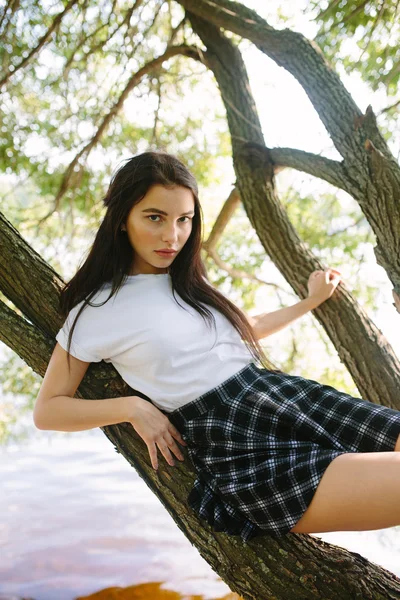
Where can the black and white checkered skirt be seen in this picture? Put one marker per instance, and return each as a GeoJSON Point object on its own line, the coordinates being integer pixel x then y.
{"type": "Point", "coordinates": [261, 441]}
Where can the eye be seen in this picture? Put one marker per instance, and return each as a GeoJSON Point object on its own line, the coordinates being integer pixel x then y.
{"type": "Point", "coordinates": [150, 216]}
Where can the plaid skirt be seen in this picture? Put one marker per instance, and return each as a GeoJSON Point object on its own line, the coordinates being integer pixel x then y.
{"type": "Point", "coordinates": [261, 441]}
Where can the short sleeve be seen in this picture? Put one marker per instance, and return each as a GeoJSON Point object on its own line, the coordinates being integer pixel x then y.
{"type": "Point", "coordinates": [86, 343]}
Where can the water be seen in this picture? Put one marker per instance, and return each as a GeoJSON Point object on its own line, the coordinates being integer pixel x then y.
{"type": "Point", "coordinates": [76, 518]}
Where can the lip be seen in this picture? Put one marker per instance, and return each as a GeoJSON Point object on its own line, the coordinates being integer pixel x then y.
{"type": "Point", "coordinates": [165, 252]}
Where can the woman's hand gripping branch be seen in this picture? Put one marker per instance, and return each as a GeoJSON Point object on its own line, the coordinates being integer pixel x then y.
{"type": "Point", "coordinates": [156, 430]}
{"type": "Point", "coordinates": [322, 284]}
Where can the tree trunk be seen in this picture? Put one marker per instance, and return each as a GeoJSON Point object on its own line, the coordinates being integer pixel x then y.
{"type": "Point", "coordinates": [370, 172]}
{"type": "Point", "coordinates": [297, 566]}
{"type": "Point", "coordinates": [376, 371]}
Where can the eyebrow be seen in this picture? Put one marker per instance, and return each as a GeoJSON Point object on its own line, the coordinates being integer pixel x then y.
{"type": "Point", "coordinates": [162, 212]}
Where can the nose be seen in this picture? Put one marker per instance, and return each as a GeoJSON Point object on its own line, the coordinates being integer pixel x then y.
{"type": "Point", "coordinates": [170, 234]}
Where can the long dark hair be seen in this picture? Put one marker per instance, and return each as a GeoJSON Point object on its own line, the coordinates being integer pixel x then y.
{"type": "Point", "coordinates": [111, 255]}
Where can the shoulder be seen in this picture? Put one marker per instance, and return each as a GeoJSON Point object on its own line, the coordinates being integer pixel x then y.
{"type": "Point", "coordinates": [90, 338]}
{"type": "Point", "coordinates": [97, 305]}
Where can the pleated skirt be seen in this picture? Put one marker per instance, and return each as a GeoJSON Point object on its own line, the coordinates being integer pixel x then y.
{"type": "Point", "coordinates": [261, 441]}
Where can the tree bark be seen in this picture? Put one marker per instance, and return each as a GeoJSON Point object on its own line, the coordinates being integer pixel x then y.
{"type": "Point", "coordinates": [371, 173]}
{"type": "Point", "coordinates": [297, 566]}
{"type": "Point", "coordinates": [376, 371]}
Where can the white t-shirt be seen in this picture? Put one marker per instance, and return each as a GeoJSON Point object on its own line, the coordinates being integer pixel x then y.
{"type": "Point", "coordinates": [160, 349]}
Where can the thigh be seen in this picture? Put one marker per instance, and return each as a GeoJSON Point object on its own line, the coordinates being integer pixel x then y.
{"type": "Point", "coordinates": [357, 492]}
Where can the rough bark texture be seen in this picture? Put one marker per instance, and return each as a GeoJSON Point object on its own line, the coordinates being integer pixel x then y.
{"type": "Point", "coordinates": [295, 567]}
{"type": "Point", "coordinates": [369, 171]}
{"type": "Point", "coordinates": [376, 371]}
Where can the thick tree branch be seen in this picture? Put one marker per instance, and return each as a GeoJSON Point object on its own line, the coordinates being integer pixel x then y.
{"type": "Point", "coordinates": [346, 324]}
{"type": "Point", "coordinates": [352, 132]}
{"type": "Point", "coordinates": [305, 61]}
{"type": "Point", "coordinates": [297, 565]}
{"type": "Point", "coordinates": [329, 170]}
{"type": "Point", "coordinates": [216, 233]}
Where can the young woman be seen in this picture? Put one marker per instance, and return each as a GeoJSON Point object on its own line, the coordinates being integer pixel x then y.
{"type": "Point", "coordinates": [274, 453]}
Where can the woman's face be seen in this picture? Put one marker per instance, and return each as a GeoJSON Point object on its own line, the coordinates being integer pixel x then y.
{"type": "Point", "coordinates": [161, 220]}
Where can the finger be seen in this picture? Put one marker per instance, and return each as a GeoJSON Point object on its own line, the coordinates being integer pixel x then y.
{"type": "Point", "coordinates": [335, 274]}
{"type": "Point", "coordinates": [165, 451]}
{"type": "Point", "coordinates": [173, 431]}
{"type": "Point", "coordinates": [335, 282]}
{"type": "Point", "coordinates": [153, 455]}
{"type": "Point", "coordinates": [174, 447]}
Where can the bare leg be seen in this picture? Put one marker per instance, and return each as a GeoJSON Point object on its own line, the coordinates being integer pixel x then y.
{"type": "Point", "coordinates": [358, 492]}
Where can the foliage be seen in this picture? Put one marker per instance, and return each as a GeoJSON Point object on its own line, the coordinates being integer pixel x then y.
{"type": "Point", "coordinates": [362, 36]}
{"type": "Point", "coordinates": [53, 106]}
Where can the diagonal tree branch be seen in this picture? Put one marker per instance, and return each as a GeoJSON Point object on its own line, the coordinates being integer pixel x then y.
{"type": "Point", "coordinates": [134, 80]}
{"type": "Point", "coordinates": [374, 26]}
{"type": "Point", "coordinates": [346, 324]}
{"type": "Point", "coordinates": [11, 5]}
{"type": "Point", "coordinates": [332, 4]}
{"type": "Point", "coordinates": [43, 40]}
{"type": "Point", "coordinates": [217, 231]}
{"type": "Point", "coordinates": [305, 61]}
{"type": "Point", "coordinates": [348, 17]}
{"type": "Point", "coordinates": [294, 566]}
{"type": "Point", "coordinates": [395, 104]}
{"type": "Point", "coordinates": [228, 209]}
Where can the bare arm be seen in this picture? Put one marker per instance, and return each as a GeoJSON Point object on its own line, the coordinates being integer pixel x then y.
{"type": "Point", "coordinates": [63, 413]}
{"type": "Point", "coordinates": [57, 409]}
{"type": "Point", "coordinates": [269, 323]}
{"type": "Point", "coordinates": [321, 285]}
